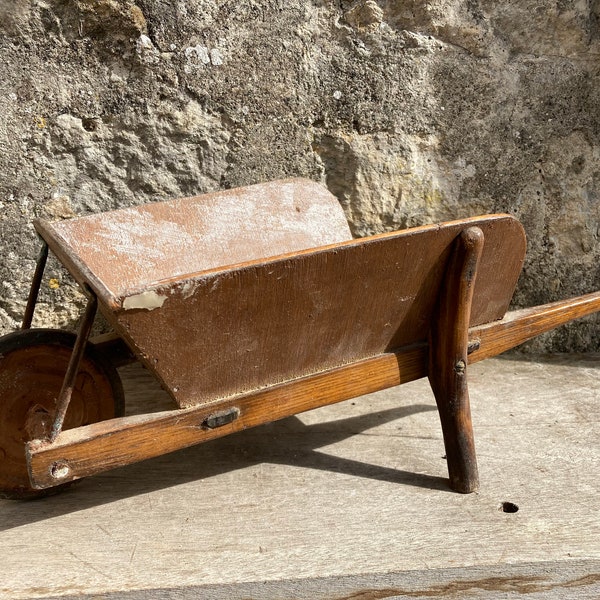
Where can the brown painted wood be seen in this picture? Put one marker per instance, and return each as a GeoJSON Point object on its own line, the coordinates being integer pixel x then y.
{"type": "Point", "coordinates": [134, 247]}
{"type": "Point", "coordinates": [236, 330]}
{"type": "Point", "coordinates": [110, 444]}
{"type": "Point", "coordinates": [229, 329]}
{"type": "Point", "coordinates": [448, 348]}
{"type": "Point", "coordinates": [33, 364]}
{"type": "Point", "coordinates": [252, 305]}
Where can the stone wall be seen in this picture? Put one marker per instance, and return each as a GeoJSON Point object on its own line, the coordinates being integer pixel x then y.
{"type": "Point", "coordinates": [409, 111]}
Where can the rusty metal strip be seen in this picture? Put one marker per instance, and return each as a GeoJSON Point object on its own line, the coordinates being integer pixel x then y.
{"type": "Point", "coordinates": [35, 286]}
{"type": "Point", "coordinates": [64, 398]}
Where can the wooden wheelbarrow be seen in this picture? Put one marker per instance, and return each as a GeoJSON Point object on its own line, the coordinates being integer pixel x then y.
{"type": "Point", "coordinates": [249, 306]}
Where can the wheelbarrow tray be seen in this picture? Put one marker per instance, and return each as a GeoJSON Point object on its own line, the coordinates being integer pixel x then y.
{"type": "Point", "coordinates": [210, 330]}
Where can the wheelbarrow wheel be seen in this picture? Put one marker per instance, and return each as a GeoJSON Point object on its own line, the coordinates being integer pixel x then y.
{"type": "Point", "coordinates": [33, 364]}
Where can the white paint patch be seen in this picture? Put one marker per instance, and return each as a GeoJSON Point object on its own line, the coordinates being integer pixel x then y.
{"type": "Point", "coordinates": [146, 300]}
{"type": "Point", "coordinates": [188, 289]}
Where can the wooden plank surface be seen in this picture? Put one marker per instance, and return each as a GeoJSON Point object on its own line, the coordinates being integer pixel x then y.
{"type": "Point", "coordinates": [134, 247]}
{"type": "Point", "coordinates": [351, 496]}
{"type": "Point", "coordinates": [237, 330]}
{"type": "Point", "coordinates": [533, 581]}
{"type": "Point", "coordinates": [109, 444]}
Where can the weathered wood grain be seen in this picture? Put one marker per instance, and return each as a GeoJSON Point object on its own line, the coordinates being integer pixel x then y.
{"type": "Point", "coordinates": [239, 345]}
{"type": "Point", "coordinates": [519, 326]}
{"type": "Point", "coordinates": [86, 450]}
{"type": "Point", "coordinates": [448, 349]}
{"type": "Point", "coordinates": [106, 445]}
{"type": "Point", "coordinates": [137, 246]}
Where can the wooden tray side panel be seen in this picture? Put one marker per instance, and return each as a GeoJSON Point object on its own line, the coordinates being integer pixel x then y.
{"type": "Point", "coordinates": [135, 247]}
{"type": "Point", "coordinates": [239, 330]}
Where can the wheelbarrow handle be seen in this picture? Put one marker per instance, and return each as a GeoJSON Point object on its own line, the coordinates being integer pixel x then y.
{"type": "Point", "coordinates": [520, 326]}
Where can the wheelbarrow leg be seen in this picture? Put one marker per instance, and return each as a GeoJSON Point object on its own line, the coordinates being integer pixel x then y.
{"type": "Point", "coordinates": [64, 398]}
{"type": "Point", "coordinates": [448, 349]}
{"type": "Point", "coordinates": [35, 287]}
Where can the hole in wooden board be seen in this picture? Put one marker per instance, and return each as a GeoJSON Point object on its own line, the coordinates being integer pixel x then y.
{"type": "Point", "coordinates": [509, 507]}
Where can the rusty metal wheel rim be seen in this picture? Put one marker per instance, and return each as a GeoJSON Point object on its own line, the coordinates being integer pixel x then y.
{"type": "Point", "coordinates": [32, 367]}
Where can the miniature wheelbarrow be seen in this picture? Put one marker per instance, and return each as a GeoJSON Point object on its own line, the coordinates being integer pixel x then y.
{"type": "Point", "coordinates": [249, 306]}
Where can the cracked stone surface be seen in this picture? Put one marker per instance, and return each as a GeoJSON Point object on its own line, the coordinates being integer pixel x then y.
{"type": "Point", "coordinates": [410, 112]}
